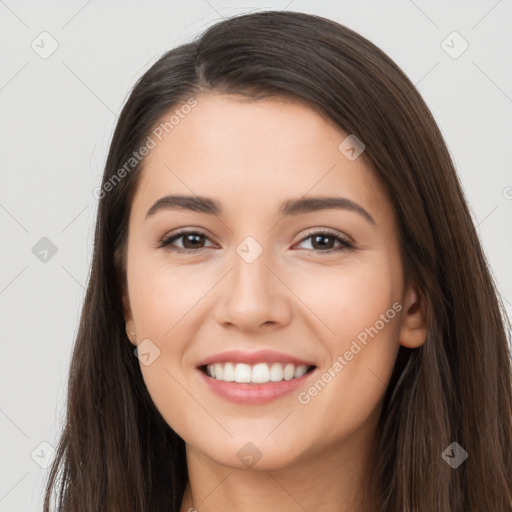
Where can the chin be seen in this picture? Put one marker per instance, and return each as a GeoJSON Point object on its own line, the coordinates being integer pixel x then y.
{"type": "Point", "coordinates": [250, 452]}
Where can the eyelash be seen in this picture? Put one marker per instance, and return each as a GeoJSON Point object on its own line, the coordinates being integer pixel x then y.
{"type": "Point", "coordinates": [167, 241]}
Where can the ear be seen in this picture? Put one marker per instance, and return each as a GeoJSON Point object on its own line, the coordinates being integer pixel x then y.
{"type": "Point", "coordinates": [414, 328]}
{"type": "Point", "coordinates": [130, 324]}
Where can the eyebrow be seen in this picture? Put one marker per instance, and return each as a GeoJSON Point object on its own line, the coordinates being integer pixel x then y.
{"type": "Point", "coordinates": [290, 207]}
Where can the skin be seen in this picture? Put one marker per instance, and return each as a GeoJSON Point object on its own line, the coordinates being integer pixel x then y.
{"type": "Point", "coordinates": [293, 298]}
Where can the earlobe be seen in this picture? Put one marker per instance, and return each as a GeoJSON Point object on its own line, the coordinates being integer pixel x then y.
{"type": "Point", "coordinates": [130, 324]}
{"type": "Point", "coordinates": [132, 336]}
{"type": "Point", "coordinates": [414, 329]}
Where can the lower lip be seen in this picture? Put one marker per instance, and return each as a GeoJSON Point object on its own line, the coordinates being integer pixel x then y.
{"type": "Point", "coordinates": [243, 393]}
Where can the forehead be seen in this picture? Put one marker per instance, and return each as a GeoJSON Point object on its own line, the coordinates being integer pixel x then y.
{"type": "Point", "coordinates": [254, 154]}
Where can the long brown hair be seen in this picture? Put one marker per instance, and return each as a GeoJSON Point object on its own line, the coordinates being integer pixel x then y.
{"type": "Point", "coordinates": [116, 452]}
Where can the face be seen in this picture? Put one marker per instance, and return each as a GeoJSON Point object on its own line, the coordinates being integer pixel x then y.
{"type": "Point", "coordinates": [267, 323]}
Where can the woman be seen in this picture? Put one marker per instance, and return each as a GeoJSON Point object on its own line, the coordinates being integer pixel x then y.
{"type": "Point", "coordinates": [289, 307]}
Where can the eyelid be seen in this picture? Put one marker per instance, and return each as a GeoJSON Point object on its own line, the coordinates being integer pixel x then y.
{"type": "Point", "coordinates": [327, 231]}
{"type": "Point", "coordinates": [176, 235]}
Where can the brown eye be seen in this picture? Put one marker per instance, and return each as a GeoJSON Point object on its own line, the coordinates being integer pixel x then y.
{"type": "Point", "coordinates": [324, 241]}
{"type": "Point", "coordinates": [191, 241]}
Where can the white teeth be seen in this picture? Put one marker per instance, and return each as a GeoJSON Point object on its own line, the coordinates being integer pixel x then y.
{"type": "Point", "coordinates": [242, 373]}
{"type": "Point", "coordinates": [229, 372]}
{"type": "Point", "coordinates": [276, 372]}
{"type": "Point", "coordinates": [300, 371]}
{"type": "Point", "coordinates": [289, 372]}
{"type": "Point", "coordinates": [219, 371]}
{"type": "Point", "coordinates": [260, 373]}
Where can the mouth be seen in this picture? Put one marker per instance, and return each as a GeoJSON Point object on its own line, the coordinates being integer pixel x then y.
{"type": "Point", "coordinates": [253, 378]}
{"type": "Point", "coordinates": [257, 374]}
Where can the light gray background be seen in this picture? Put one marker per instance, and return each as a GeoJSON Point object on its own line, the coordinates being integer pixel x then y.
{"type": "Point", "coordinates": [56, 120]}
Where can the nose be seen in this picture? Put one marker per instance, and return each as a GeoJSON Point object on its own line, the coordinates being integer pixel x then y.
{"type": "Point", "coordinates": [253, 295]}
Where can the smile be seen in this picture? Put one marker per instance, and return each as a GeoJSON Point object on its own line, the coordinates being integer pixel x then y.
{"type": "Point", "coordinates": [254, 378]}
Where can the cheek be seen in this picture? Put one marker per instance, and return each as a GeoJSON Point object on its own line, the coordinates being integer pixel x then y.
{"type": "Point", "coordinates": [166, 303]}
{"type": "Point", "coordinates": [345, 300]}
{"type": "Point", "coordinates": [359, 328]}
{"type": "Point", "coordinates": [163, 297]}
{"type": "Point", "coordinates": [161, 311]}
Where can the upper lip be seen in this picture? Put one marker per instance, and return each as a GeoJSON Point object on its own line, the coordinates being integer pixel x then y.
{"type": "Point", "coordinates": [261, 356]}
